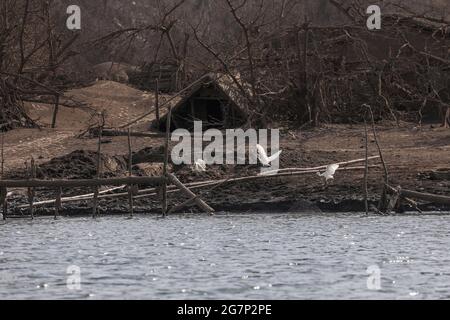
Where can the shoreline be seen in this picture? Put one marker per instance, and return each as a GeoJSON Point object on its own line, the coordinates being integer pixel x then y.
{"type": "Point", "coordinates": [277, 206]}
{"type": "Point", "coordinates": [418, 159]}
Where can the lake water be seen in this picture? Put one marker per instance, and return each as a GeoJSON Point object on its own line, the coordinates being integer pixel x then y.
{"type": "Point", "coordinates": [246, 256]}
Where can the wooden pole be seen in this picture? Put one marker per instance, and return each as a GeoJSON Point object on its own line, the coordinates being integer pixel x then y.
{"type": "Point", "coordinates": [157, 100]}
{"type": "Point", "coordinates": [55, 111]}
{"type": "Point", "coordinates": [305, 73]}
{"type": "Point", "coordinates": [203, 205]}
{"type": "Point", "coordinates": [3, 156]}
{"type": "Point", "coordinates": [166, 161]}
{"type": "Point", "coordinates": [393, 201]}
{"type": "Point", "coordinates": [4, 201]}
{"type": "Point", "coordinates": [99, 159]}
{"type": "Point", "coordinates": [31, 192]}
{"type": "Point", "coordinates": [130, 173]}
{"type": "Point", "coordinates": [366, 169]}
{"type": "Point", "coordinates": [382, 204]}
{"type": "Point", "coordinates": [58, 203]}
{"type": "Point", "coordinates": [3, 190]}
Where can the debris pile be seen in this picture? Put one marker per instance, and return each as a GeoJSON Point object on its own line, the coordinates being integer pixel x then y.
{"type": "Point", "coordinates": [12, 112]}
{"type": "Point", "coordinates": [80, 164]}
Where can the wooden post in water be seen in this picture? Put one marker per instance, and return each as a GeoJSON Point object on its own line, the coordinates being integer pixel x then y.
{"type": "Point", "coordinates": [99, 159]}
{"type": "Point", "coordinates": [4, 201]}
{"type": "Point", "coordinates": [130, 173]}
{"type": "Point", "coordinates": [58, 203]}
{"type": "Point", "coordinates": [3, 190]}
{"type": "Point", "coordinates": [3, 156]}
{"type": "Point", "coordinates": [157, 101]}
{"type": "Point", "coordinates": [31, 192]}
{"type": "Point", "coordinates": [366, 168]}
{"type": "Point", "coordinates": [166, 161]}
{"type": "Point", "coordinates": [55, 111]}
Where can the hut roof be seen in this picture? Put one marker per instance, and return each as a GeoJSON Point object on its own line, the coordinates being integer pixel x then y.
{"type": "Point", "coordinates": [236, 94]}
{"type": "Point", "coordinates": [224, 83]}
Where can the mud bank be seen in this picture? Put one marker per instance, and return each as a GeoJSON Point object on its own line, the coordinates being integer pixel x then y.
{"type": "Point", "coordinates": [274, 195]}
{"type": "Point", "coordinates": [257, 207]}
{"type": "Point", "coordinates": [417, 160]}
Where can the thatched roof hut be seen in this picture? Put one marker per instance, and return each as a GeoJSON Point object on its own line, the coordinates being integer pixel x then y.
{"type": "Point", "coordinates": [215, 100]}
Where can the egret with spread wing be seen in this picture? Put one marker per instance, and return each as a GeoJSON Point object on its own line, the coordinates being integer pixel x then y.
{"type": "Point", "coordinates": [329, 173]}
{"type": "Point", "coordinates": [263, 158]}
{"type": "Point", "coordinates": [200, 165]}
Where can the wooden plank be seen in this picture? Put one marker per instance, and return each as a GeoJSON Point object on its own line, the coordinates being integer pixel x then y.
{"type": "Point", "coordinates": [203, 205]}
{"type": "Point", "coordinates": [124, 133]}
{"type": "Point", "coordinates": [64, 183]}
{"type": "Point", "coordinates": [209, 99]}
{"type": "Point", "coordinates": [74, 198]}
{"type": "Point", "coordinates": [435, 198]}
{"type": "Point", "coordinates": [341, 164]}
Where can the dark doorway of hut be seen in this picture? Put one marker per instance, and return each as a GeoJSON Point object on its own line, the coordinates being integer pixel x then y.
{"type": "Point", "coordinates": [208, 111]}
{"type": "Point", "coordinates": [213, 101]}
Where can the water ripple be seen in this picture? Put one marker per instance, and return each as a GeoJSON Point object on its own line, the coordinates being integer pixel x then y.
{"type": "Point", "coordinates": [290, 256]}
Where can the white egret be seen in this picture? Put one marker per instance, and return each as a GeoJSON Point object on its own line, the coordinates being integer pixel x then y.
{"type": "Point", "coordinates": [263, 158]}
{"type": "Point", "coordinates": [200, 165]}
{"type": "Point", "coordinates": [329, 173]}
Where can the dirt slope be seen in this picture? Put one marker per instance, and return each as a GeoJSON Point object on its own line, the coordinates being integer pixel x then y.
{"type": "Point", "coordinates": [412, 154]}
{"type": "Point", "coordinates": [121, 102]}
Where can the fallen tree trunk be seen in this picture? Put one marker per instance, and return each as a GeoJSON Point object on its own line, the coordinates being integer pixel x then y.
{"type": "Point", "coordinates": [435, 198]}
{"type": "Point", "coordinates": [426, 196]}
